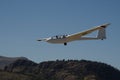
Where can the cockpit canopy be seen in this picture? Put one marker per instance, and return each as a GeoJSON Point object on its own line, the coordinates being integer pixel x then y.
{"type": "Point", "coordinates": [59, 37]}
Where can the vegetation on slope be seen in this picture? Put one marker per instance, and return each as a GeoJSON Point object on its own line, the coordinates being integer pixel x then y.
{"type": "Point", "coordinates": [62, 70]}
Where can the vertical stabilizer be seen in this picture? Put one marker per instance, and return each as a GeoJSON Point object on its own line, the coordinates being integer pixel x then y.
{"type": "Point", "coordinates": [102, 34]}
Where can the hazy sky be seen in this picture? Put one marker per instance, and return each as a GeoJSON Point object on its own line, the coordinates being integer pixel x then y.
{"type": "Point", "coordinates": [22, 22]}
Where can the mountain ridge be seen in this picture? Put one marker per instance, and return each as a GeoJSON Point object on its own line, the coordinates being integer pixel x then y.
{"type": "Point", "coordinates": [8, 60]}
{"type": "Point", "coordinates": [65, 70]}
{"type": "Point", "coordinates": [25, 69]}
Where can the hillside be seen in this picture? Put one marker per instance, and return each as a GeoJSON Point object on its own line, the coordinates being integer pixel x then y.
{"type": "Point", "coordinates": [60, 70]}
{"type": "Point", "coordinates": [8, 60]}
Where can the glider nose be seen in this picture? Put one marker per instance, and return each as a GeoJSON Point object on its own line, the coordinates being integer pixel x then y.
{"type": "Point", "coordinates": [44, 39]}
{"type": "Point", "coordinates": [39, 40]}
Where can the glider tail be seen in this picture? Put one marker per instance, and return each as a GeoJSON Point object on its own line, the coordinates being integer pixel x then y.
{"type": "Point", "coordinates": [102, 31]}
{"type": "Point", "coordinates": [102, 34]}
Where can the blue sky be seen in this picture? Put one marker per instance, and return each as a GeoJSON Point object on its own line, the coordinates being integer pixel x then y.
{"type": "Point", "coordinates": [22, 22]}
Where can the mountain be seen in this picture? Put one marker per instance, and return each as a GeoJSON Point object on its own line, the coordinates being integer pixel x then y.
{"type": "Point", "coordinates": [60, 70]}
{"type": "Point", "coordinates": [8, 60]}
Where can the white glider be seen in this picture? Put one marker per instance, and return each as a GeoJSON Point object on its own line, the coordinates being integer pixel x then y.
{"type": "Point", "coordinates": [64, 39]}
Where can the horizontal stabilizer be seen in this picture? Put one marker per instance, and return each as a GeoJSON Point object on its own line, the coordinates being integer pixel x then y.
{"type": "Point", "coordinates": [105, 25]}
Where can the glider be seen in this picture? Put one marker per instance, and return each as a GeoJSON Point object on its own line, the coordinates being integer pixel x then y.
{"type": "Point", "coordinates": [64, 39]}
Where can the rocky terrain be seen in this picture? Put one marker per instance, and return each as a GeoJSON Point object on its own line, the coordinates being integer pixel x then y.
{"type": "Point", "coordinates": [8, 60]}
{"type": "Point", "coordinates": [24, 69]}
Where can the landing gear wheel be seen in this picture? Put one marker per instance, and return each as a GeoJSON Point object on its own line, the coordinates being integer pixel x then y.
{"type": "Point", "coordinates": [65, 44]}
